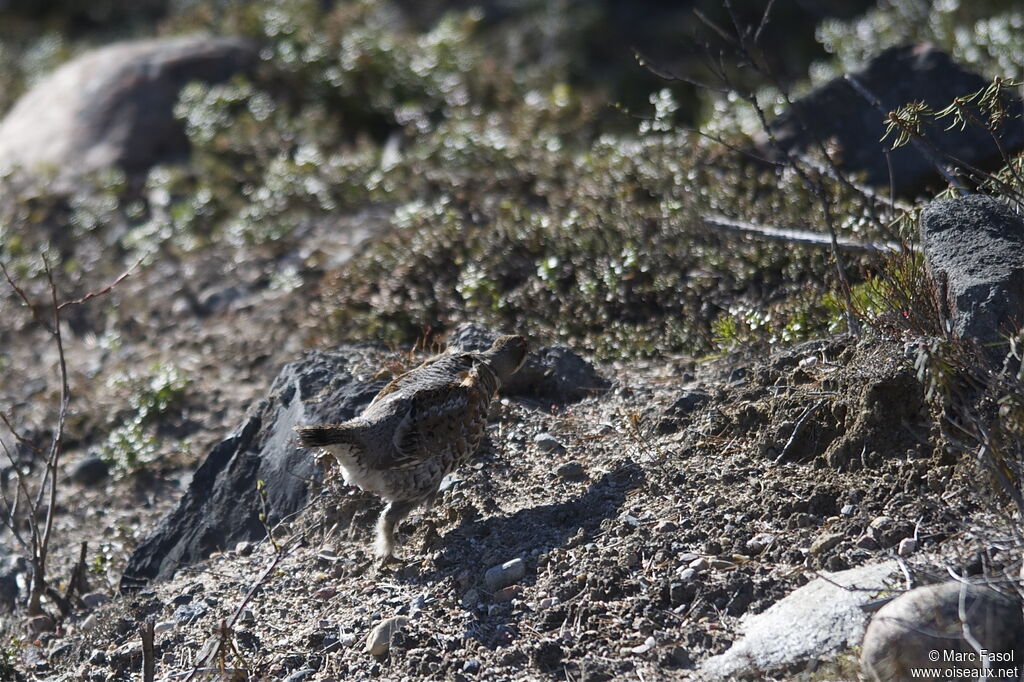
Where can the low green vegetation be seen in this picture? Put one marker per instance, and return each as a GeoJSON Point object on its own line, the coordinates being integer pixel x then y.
{"type": "Point", "coordinates": [133, 443]}
{"type": "Point", "coordinates": [518, 196]}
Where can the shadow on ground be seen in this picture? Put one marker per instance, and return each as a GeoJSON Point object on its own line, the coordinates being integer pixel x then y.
{"type": "Point", "coordinates": [470, 546]}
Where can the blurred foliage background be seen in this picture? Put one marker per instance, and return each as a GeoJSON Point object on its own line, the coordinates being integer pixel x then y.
{"type": "Point", "coordinates": [537, 176]}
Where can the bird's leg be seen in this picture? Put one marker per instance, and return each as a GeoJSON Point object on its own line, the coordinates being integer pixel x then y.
{"type": "Point", "coordinates": [389, 518]}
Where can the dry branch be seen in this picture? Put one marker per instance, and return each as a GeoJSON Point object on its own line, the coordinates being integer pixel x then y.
{"type": "Point", "coordinates": [792, 236]}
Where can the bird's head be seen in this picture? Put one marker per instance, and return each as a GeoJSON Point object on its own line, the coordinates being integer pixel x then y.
{"type": "Point", "coordinates": [507, 354]}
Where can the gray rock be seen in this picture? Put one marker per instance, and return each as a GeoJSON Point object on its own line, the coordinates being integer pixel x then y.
{"type": "Point", "coordinates": [504, 575]}
{"type": "Point", "coordinates": [115, 106]}
{"type": "Point", "coordinates": [812, 623]}
{"type": "Point", "coordinates": [189, 613]}
{"type": "Point", "coordinates": [94, 600]}
{"type": "Point", "coordinates": [974, 248]}
{"type": "Point", "coordinates": [378, 642]}
{"type": "Point", "coordinates": [571, 471]}
{"type": "Point", "coordinates": [89, 470]}
{"type": "Point", "coordinates": [905, 632]}
{"type": "Point", "coordinates": [687, 402]}
{"type": "Point", "coordinates": [909, 73]}
{"type": "Point", "coordinates": [825, 542]}
{"type": "Point", "coordinates": [759, 543]}
{"type": "Point", "coordinates": [907, 547]}
{"type": "Point", "coordinates": [163, 626]}
{"type": "Point", "coordinates": [551, 372]}
{"type": "Point", "coordinates": [548, 443]}
{"type": "Point", "coordinates": [300, 675]}
{"type": "Point", "coordinates": [221, 506]}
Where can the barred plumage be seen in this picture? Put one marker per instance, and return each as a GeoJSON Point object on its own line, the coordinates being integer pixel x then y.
{"type": "Point", "coordinates": [423, 425]}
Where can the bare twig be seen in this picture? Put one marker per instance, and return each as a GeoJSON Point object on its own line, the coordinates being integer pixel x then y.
{"type": "Point", "coordinates": [805, 237]}
{"type": "Point", "coordinates": [77, 573]}
{"type": "Point", "coordinates": [148, 651]}
{"type": "Point", "coordinates": [42, 506]}
{"type": "Point", "coordinates": [797, 428]}
{"type": "Point", "coordinates": [105, 290]}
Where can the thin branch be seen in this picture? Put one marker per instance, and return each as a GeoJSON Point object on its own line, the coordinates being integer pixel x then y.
{"type": "Point", "coordinates": [105, 290]}
{"type": "Point", "coordinates": [764, 22]}
{"type": "Point", "coordinates": [146, 631]}
{"type": "Point", "coordinates": [722, 33]}
{"type": "Point", "coordinates": [672, 76]}
{"type": "Point", "coordinates": [24, 298]}
{"type": "Point", "coordinates": [805, 237]}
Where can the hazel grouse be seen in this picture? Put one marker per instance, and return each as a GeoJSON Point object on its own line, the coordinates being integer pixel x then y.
{"type": "Point", "coordinates": [423, 425]}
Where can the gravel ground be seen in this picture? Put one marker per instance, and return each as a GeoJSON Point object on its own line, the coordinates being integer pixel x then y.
{"type": "Point", "coordinates": [621, 537]}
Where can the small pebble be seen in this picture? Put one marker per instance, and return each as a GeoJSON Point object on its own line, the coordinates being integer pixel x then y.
{"type": "Point", "coordinates": [548, 602]}
{"type": "Point", "coordinates": [504, 575]}
{"type": "Point", "coordinates": [879, 528]}
{"type": "Point", "coordinates": [89, 623]}
{"type": "Point", "coordinates": [699, 564]}
{"type": "Point", "coordinates": [300, 675]}
{"type": "Point", "coordinates": [324, 593]}
{"type": "Point", "coordinates": [825, 542]}
{"type": "Point", "coordinates": [759, 543]}
{"type": "Point", "coordinates": [94, 600]}
{"type": "Point", "coordinates": [848, 509]}
{"type": "Point", "coordinates": [548, 443]}
{"type": "Point", "coordinates": [182, 599]}
{"type": "Point", "coordinates": [449, 482]}
{"type": "Point", "coordinates": [648, 644]}
{"type": "Point", "coordinates": [866, 542]}
{"type": "Point", "coordinates": [907, 547]}
{"type": "Point", "coordinates": [686, 574]}
{"type": "Point", "coordinates": [189, 613]}
{"type": "Point", "coordinates": [163, 626]}
{"type": "Point", "coordinates": [378, 642]}
{"type": "Point", "coordinates": [572, 471]}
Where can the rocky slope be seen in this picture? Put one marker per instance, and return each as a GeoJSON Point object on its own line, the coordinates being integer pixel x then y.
{"type": "Point", "coordinates": [634, 530]}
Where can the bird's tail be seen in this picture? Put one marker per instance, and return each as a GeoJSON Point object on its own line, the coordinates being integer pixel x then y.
{"type": "Point", "coordinates": [322, 435]}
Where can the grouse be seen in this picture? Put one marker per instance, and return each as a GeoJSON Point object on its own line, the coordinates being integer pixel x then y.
{"type": "Point", "coordinates": [423, 425]}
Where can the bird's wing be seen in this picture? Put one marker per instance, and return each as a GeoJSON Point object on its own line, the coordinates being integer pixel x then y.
{"type": "Point", "coordinates": [417, 374]}
{"type": "Point", "coordinates": [435, 417]}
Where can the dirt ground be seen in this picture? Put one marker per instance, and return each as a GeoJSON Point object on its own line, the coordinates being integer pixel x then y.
{"type": "Point", "coordinates": [685, 496]}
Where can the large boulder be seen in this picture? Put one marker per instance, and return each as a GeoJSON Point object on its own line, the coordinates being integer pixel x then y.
{"type": "Point", "coordinates": [813, 623]}
{"type": "Point", "coordinates": [939, 632]}
{"type": "Point", "coordinates": [974, 248]}
{"type": "Point", "coordinates": [222, 505]}
{"type": "Point", "coordinates": [115, 106]}
{"type": "Point", "coordinates": [897, 76]}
